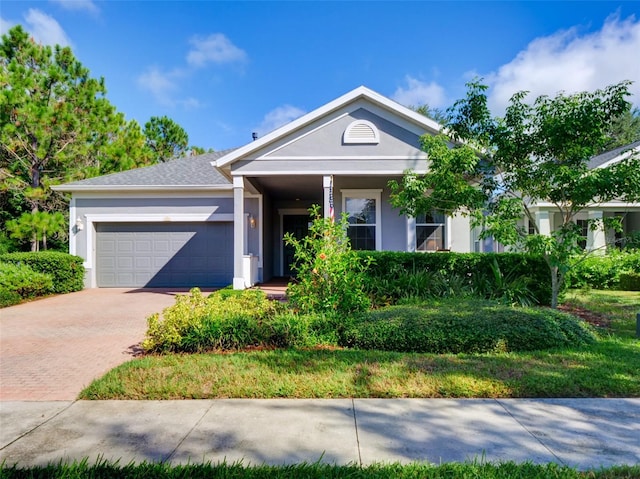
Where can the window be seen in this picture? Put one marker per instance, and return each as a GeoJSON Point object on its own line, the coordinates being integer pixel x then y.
{"type": "Point", "coordinates": [363, 210]}
{"type": "Point", "coordinates": [583, 230]}
{"type": "Point", "coordinates": [430, 232]}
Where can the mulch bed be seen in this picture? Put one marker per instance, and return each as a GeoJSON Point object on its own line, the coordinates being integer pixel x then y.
{"type": "Point", "coordinates": [595, 319]}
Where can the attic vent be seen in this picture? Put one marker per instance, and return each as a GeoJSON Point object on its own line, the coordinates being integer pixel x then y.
{"type": "Point", "coordinates": [361, 131]}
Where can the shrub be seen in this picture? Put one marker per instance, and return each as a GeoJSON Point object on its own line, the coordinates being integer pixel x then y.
{"type": "Point", "coordinates": [223, 320]}
{"type": "Point", "coordinates": [66, 270]}
{"type": "Point", "coordinates": [481, 326]}
{"type": "Point", "coordinates": [511, 277]}
{"type": "Point", "coordinates": [19, 281]}
{"type": "Point", "coordinates": [630, 281]}
{"type": "Point", "coordinates": [329, 274]}
{"type": "Point", "coordinates": [602, 272]}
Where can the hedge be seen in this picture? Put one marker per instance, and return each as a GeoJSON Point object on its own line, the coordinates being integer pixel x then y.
{"type": "Point", "coordinates": [603, 272]}
{"type": "Point", "coordinates": [66, 270]}
{"type": "Point", "coordinates": [468, 267]}
{"type": "Point", "coordinates": [19, 282]}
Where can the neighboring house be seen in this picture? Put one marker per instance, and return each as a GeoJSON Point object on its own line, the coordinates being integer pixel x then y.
{"type": "Point", "coordinates": [219, 218]}
{"type": "Point", "coordinates": [547, 215]}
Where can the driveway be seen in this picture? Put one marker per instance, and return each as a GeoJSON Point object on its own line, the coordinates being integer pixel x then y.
{"type": "Point", "coordinates": [50, 349]}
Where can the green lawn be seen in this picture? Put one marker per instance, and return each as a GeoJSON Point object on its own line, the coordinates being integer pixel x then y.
{"type": "Point", "coordinates": [609, 368]}
{"type": "Point", "coordinates": [506, 470]}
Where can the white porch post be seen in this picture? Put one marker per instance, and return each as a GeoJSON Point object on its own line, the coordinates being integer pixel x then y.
{"type": "Point", "coordinates": [238, 232]}
{"type": "Point", "coordinates": [326, 186]}
{"type": "Point", "coordinates": [543, 221]}
{"type": "Point", "coordinates": [596, 240]}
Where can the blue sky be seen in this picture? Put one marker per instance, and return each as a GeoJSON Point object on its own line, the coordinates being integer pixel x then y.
{"type": "Point", "coordinates": [225, 69]}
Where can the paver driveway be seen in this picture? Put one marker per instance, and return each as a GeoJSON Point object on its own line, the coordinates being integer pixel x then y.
{"type": "Point", "coordinates": [52, 348]}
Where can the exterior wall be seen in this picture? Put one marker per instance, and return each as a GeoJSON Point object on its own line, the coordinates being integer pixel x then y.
{"type": "Point", "coordinates": [158, 208]}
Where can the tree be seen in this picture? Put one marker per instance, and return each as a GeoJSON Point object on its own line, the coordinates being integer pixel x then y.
{"type": "Point", "coordinates": [54, 118]}
{"type": "Point", "coordinates": [624, 130]}
{"type": "Point", "coordinates": [436, 114]}
{"type": "Point", "coordinates": [36, 227]}
{"type": "Point", "coordinates": [497, 169]}
{"type": "Point", "coordinates": [166, 139]}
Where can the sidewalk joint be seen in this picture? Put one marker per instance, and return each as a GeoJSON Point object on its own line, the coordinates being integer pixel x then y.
{"type": "Point", "coordinates": [355, 423]}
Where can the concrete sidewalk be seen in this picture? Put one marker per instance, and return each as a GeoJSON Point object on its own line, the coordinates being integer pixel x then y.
{"type": "Point", "coordinates": [583, 433]}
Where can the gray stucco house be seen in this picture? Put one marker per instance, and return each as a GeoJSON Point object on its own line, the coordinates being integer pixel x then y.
{"type": "Point", "coordinates": [219, 218]}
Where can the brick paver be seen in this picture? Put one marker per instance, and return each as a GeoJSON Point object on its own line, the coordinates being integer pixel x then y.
{"type": "Point", "coordinates": [50, 349]}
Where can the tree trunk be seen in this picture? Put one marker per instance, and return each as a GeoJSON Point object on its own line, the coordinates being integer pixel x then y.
{"type": "Point", "coordinates": [555, 287]}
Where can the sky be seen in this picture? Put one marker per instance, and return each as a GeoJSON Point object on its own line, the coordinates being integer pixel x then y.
{"type": "Point", "coordinates": [223, 70]}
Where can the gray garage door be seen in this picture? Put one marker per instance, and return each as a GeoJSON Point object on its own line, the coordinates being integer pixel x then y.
{"type": "Point", "coordinates": [161, 255]}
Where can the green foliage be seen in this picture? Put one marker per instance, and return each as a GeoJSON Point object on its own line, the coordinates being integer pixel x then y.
{"type": "Point", "coordinates": [37, 226]}
{"type": "Point", "coordinates": [602, 272]}
{"type": "Point", "coordinates": [481, 327]}
{"type": "Point", "coordinates": [630, 281]}
{"type": "Point", "coordinates": [103, 469]}
{"type": "Point", "coordinates": [66, 270]}
{"type": "Point", "coordinates": [19, 282]}
{"type": "Point", "coordinates": [509, 277]}
{"type": "Point", "coordinates": [223, 320]}
{"type": "Point", "coordinates": [329, 275]}
{"type": "Point", "coordinates": [165, 138]}
{"type": "Point", "coordinates": [495, 169]}
{"type": "Point", "coordinates": [54, 118]}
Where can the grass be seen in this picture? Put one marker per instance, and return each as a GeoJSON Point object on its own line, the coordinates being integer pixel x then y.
{"type": "Point", "coordinates": [608, 368]}
{"type": "Point", "coordinates": [475, 470]}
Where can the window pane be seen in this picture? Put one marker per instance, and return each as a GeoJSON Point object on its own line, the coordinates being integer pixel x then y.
{"type": "Point", "coordinates": [361, 210]}
{"type": "Point", "coordinates": [429, 238]}
{"type": "Point", "coordinates": [433, 217]}
{"type": "Point", "coordinates": [362, 237]}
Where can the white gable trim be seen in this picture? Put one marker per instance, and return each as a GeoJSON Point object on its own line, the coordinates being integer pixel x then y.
{"type": "Point", "coordinates": [359, 93]}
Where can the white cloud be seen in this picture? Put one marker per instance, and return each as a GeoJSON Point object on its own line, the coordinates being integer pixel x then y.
{"type": "Point", "coordinates": [420, 93]}
{"type": "Point", "coordinates": [5, 26]}
{"type": "Point", "coordinates": [164, 87]}
{"type": "Point", "coordinates": [78, 5]}
{"type": "Point", "coordinates": [45, 29]}
{"type": "Point", "coordinates": [570, 62]}
{"type": "Point", "coordinates": [160, 84]}
{"type": "Point", "coordinates": [215, 48]}
{"type": "Point", "coordinates": [277, 117]}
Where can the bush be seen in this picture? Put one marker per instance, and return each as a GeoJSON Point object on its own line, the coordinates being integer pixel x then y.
{"type": "Point", "coordinates": [512, 277]}
{"type": "Point", "coordinates": [480, 326]}
{"type": "Point", "coordinates": [223, 320]}
{"type": "Point", "coordinates": [66, 270]}
{"type": "Point", "coordinates": [602, 272]}
{"type": "Point", "coordinates": [329, 275]}
{"type": "Point", "coordinates": [19, 281]}
{"type": "Point", "coordinates": [630, 281]}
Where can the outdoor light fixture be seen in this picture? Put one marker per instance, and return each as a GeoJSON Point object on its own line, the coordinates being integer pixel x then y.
{"type": "Point", "coordinates": [79, 224]}
{"type": "Point", "coordinates": [252, 222]}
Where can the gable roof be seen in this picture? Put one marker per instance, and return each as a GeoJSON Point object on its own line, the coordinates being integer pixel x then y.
{"type": "Point", "coordinates": [421, 121]}
{"type": "Point", "coordinates": [613, 156]}
{"type": "Point", "coordinates": [191, 172]}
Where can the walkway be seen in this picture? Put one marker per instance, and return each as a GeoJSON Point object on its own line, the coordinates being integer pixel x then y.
{"type": "Point", "coordinates": [52, 348]}
{"type": "Point", "coordinates": [584, 433]}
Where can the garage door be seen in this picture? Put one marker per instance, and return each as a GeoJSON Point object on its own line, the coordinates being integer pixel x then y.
{"type": "Point", "coordinates": [162, 255]}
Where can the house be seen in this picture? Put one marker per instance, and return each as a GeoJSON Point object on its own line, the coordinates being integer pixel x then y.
{"type": "Point", "coordinates": [219, 218]}
{"type": "Point", "coordinates": [547, 215]}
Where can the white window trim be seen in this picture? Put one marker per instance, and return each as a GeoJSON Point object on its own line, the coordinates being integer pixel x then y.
{"type": "Point", "coordinates": [445, 240]}
{"type": "Point", "coordinates": [375, 194]}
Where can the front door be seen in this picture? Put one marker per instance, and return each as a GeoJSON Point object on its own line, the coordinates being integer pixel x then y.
{"type": "Point", "coordinates": [298, 225]}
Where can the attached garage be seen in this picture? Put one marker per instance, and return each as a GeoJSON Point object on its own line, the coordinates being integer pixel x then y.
{"type": "Point", "coordinates": [164, 255]}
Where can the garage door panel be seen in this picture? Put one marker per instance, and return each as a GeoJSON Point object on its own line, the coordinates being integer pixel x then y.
{"type": "Point", "coordinates": [164, 255]}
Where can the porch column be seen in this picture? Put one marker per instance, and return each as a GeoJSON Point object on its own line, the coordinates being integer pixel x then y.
{"type": "Point", "coordinates": [596, 240]}
{"type": "Point", "coordinates": [326, 186]}
{"type": "Point", "coordinates": [543, 221]}
{"type": "Point", "coordinates": [238, 232]}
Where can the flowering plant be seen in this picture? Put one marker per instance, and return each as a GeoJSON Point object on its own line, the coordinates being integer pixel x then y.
{"type": "Point", "coordinates": [329, 275]}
